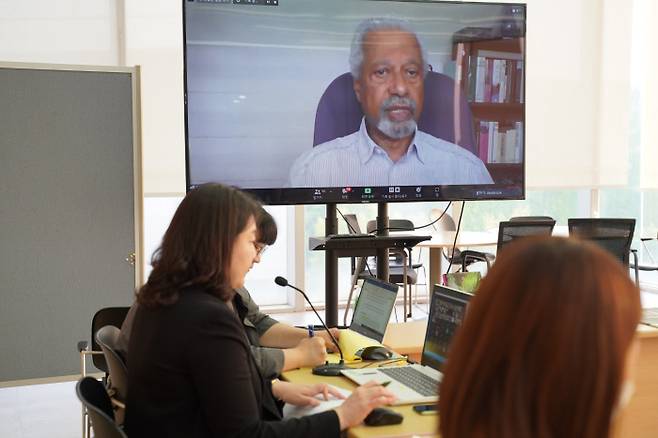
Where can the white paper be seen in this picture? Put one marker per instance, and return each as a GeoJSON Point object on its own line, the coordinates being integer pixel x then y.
{"type": "Point", "coordinates": [290, 411]}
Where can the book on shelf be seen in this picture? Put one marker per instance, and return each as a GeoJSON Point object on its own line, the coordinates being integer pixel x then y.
{"type": "Point", "coordinates": [496, 77]}
{"type": "Point", "coordinates": [497, 145]}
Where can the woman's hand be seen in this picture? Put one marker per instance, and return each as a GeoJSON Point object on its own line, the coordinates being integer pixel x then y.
{"type": "Point", "coordinates": [303, 395]}
{"type": "Point", "coordinates": [312, 351]}
{"type": "Point", "coordinates": [331, 347]}
{"type": "Point", "coordinates": [363, 400]}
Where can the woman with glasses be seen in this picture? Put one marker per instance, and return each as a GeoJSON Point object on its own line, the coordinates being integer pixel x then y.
{"type": "Point", "coordinates": [277, 347]}
{"type": "Point", "coordinates": [191, 370]}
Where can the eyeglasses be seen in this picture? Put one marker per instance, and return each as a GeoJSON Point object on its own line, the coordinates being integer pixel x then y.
{"type": "Point", "coordinates": [260, 248]}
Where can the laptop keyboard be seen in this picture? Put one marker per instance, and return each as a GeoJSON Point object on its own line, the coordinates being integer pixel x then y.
{"type": "Point", "coordinates": [650, 316]}
{"type": "Point", "coordinates": [414, 379]}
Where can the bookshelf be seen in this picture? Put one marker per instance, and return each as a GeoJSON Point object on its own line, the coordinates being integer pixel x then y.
{"type": "Point", "coordinates": [490, 71]}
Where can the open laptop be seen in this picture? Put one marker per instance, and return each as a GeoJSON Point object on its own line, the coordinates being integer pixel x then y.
{"type": "Point", "coordinates": [418, 383]}
{"type": "Point", "coordinates": [373, 308]}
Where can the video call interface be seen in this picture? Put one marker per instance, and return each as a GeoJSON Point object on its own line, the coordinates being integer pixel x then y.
{"type": "Point", "coordinates": [446, 317]}
{"type": "Point", "coordinates": [261, 115]}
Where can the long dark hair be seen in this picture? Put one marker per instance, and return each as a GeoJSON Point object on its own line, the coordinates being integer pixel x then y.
{"type": "Point", "coordinates": [543, 347]}
{"type": "Point", "coordinates": [196, 248]}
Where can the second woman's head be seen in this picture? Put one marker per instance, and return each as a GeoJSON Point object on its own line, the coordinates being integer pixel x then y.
{"type": "Point", "coordinates": [544, 347]}
{"type": "Point", "coordinates": [210, 244]}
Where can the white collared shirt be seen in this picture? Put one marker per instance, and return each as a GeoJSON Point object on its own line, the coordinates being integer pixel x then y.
{"type": "Point", "coordinates": [356, 161]}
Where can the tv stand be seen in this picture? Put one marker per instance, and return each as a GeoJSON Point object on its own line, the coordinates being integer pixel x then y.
{"type": "Point", "coordinates": [354, 247]}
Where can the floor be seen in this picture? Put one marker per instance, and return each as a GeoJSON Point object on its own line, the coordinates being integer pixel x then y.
{"type": "Point", "coordinates": [52, 410]}
{"type": "Point", "coordinates": [37, 411]}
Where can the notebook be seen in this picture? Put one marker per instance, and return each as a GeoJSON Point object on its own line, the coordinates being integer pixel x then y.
{"type": "Point", "coordinates": [371, 315]}
{"type": "Point", "coordinates": [418, 383]}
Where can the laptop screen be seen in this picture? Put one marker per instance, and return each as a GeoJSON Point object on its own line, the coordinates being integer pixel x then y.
{"type": "Point", "coordinates": [373, 308]}
{"type": "Point", "coordinates": [447, 311]}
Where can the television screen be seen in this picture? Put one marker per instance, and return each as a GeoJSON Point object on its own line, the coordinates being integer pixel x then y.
{"type": "Point", "coordinates": [316, 101]}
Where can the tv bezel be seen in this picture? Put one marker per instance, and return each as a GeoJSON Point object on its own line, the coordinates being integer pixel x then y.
{"type": "Point", "coordinates": [307, 196]}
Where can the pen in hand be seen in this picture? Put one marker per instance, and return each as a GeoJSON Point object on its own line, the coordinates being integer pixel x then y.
{"type": "Point", "coordinates": [311, 332]}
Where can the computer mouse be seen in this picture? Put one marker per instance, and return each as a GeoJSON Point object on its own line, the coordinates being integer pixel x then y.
{"type": "Point", "coordinates": [375, 352]}
{"type": "Point", "coordinates": [383, 417]}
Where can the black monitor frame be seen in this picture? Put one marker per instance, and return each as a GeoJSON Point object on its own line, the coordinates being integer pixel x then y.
{"type": "Point", "coordinates": [324, 195]}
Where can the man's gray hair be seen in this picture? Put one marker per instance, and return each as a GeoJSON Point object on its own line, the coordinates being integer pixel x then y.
{"type": "Point", "coordinates": [375, 24]}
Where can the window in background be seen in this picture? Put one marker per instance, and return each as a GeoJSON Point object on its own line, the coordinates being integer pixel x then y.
{"type": "Point", "coordinates": [639, 199]}
{"type": "Point", "coordinates": [314, 215]}
{"type": "Point", "coordinates": [559, 204]}
{"type": "Point", "coordinates": [314, 219]}
{"type": "Point", "coordinates": [478, 216]}
{"type": "Point", "coordinates": [275, 261]}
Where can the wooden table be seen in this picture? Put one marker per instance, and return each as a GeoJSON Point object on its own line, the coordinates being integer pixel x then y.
{"type": "Point", "coordinates": [445, 239]}
{"type": "Point", "coordinates": [413, 424]}
{"type": "Point", "coordinates": [406, 338]}
{"type": "Point", "coordinates": [639, 419]}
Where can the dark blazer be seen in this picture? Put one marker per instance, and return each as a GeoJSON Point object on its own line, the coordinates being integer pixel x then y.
{"type": "Point", "coordinates": [192, 374]}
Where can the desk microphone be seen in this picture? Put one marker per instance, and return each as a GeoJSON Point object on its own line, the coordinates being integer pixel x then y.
{"type": "Point", "coordinates": [328, 369]}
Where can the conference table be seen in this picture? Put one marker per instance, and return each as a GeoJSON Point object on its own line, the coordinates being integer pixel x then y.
{"type": "Point", "coordinates": [445, 239]}
{"type": "Point", "coordinates": [638, 420]}
{"type": "Point", "coordinates": [413, 424]}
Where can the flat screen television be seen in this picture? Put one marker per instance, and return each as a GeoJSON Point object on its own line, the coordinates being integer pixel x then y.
{"type": "Point", "coordinates": [276, 92]}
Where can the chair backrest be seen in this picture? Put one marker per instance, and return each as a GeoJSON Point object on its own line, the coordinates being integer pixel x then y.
{"type": "Point", "coordinates": [530, 218]}
{"type": "Point", "coordinates": [513, 230]}
{"type": "Point", "coordinates": [107, 339]}
{"type": "Point", "coordinates": [394, 225]}
{"type": "Point", "coordinates": [446, 112]}
{"type": "Point", "coordinates": [93, 396]}
{"type": "Point", "coordinates": [615, 235]}
{"type": "Point", "coordinates": [447, 223]}
{"type": "Point", "coordinates": [107, 316]}
{"type": "Point", "coordinates": [353, 226]}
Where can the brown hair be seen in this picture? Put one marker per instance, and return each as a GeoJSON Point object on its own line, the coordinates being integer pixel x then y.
{"type": "Point", "coordinates": [543, 346]}
{"type": "Point", "coordinates": [196, 248]}
{"type": "Point", "coordinates": [267, 229]}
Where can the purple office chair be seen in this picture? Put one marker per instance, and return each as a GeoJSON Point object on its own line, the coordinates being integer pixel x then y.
{"type": "Point", "coordinates": [446, 113]}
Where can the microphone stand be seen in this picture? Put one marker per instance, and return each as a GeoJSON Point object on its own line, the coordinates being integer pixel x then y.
{"type": "Point", "coordinates": [328, 369]}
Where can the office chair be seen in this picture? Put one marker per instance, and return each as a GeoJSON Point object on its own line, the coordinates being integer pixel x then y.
{"type": "Point", "coordinates": [117, 386]}
{"type": "Point", "coordinates": [614, 235]}
{"type": "Point", "coordinates": [396, 262]}
{"type": "Point", "coordinates": [96, 403]}
{"type": "Point", "coordinates": [446, 112]}
{"type": "Point", "coordinates": [530, 218]}
{"type": "Point", "coordinates": [107, 316]}
{"type": "Point", "coordinates": [509, 231]}
{"type": "Point", "coordinates": [401, 269]}
{"type": "Point", "coordinates": [454, 256]}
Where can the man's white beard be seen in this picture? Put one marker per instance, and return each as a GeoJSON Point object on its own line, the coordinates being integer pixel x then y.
{"type": "Point", "coordinates": [392, 129]}
{"type": "Point", "coordinates": [396, 130]}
